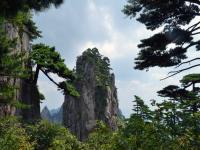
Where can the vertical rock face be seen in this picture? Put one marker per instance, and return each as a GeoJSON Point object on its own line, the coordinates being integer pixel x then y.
{"type": "Point", "coordinates": [26, 92]}
{"type": "Point", "coordinates": [96, 101]}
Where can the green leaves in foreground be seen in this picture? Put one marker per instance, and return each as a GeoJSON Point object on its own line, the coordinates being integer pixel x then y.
{"type": "Point", "coordinates": [41, 136]}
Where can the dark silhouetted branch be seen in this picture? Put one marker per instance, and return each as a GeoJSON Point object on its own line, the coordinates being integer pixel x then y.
{"type": "Point", "coordinates": [173, 73]}
{"type": "Point", "coordinates": [189, 61]}
{"type": "Point", "coordinates": [50, 78]}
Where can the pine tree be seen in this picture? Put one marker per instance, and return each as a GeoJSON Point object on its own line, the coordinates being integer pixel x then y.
{"type": "Point", "coordinates": [9, 8]}
{"type": "Point", "coordinates": [47, 60]}
{"type": "Point", "coordinates": [172, 16]}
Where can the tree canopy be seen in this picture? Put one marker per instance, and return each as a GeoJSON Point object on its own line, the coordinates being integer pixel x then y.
{"type": "Point", "coordinates": [47, 60]}
{"type": "Point", "coordinates": [177, 116]}
{"type": "Point", "coordinates": [102, 69]}
{"type": "Point", "coordinates": [9, 8]}
{"type": "Point", "coordinates": [172, 16]}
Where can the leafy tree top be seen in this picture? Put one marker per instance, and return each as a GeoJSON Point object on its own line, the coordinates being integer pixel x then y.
{"type": "Point", "coordinates": [190, 79]}
{"type": "Point", "coordinates": [141, 109]}
{"type": "Point", "coordinates": [48, 61]}
{"type": "Point", "coordinates": [102, 66]}
{"type": "Point", "coordinates": [23, 21]}
{"type": "Point", "coordinates": [173, 91]}
{"type": "Point", "coordinates": [156, 13]}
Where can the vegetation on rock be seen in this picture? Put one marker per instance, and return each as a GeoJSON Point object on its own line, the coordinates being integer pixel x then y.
{"type": "Point", "coordinates": [47, 60]}
{"type": "Point", "coordinates": [102, 66]}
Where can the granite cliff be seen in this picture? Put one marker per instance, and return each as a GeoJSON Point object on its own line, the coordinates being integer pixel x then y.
{"type": "Point", "coordinates": [26, 92]}
{"type": "Point", "coordinates": [98, 95]}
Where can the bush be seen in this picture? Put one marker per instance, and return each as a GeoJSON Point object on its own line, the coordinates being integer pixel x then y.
{"type": "Point", "coordinates": [52, 137]}
{"type": "Point", "coordinates": [13, 136]}
{"type": "Point", "coordinates": [41, 136]}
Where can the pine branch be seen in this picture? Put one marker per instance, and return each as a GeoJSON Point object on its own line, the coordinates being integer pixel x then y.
{"type": "Point", "coordinates": [196, 33]}
{"type": "Point", "coordinates": [179, 71]}
{"type": "Point", "coordinates": [193, 26]}
{"type": "Point", "coordinates": [187, 62]}
{"type": "Point", "coordinates": [50, 78]}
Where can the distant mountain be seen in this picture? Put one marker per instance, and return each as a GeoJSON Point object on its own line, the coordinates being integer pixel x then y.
{"type": "Point", "coordinates": [54, 111]}
{"type": "Point", "coordinates": [45, 114]}
{"type": "Point", "coordinates": [54, 115]}
{"type": "Point", "coordinates": [57, 115]}
{"type": "Point", "coordinates": [120, 114]}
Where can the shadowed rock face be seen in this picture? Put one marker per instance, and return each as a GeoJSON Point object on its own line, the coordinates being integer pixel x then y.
{"type": "Point", "coordinates": [95, 102]}
{"type": "Point", "coordinates": [27, 93]}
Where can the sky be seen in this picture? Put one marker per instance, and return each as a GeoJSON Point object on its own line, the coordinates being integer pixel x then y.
{"type": "Point", "coordinates": [80, 24]}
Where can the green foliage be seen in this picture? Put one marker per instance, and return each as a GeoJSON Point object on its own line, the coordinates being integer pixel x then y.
{"type": "Point", "coordinates": [155, 13]}
{"type": "Point", "coordinates": [102, 66]}
{"type": "Point", "coordinates": [23, 20]}
{"type": "Point", "coordinates": [190, 79]}
{"type": "Point", "coordinates": [151, 130]}
{"type": "Point", "coordinates": [46, 136]}
{"type": "Point", "coordinates": [9, 8]}
{"type": "Point", "coordinates": [52, 137]}
{"type": "Point", "coordinates": [140, 109]}
{"type": "Point", "coordinates": [7, 93]}
{"type": "Point", "coordinates": [174, 124]}
{"type": "Point", "coordinates": [14, 62]}
{"type": "Point", "coordinates": [11, 66]}
{"type": "Point", "coordinates": [102, 138]}
{"type": "Point", "coordinates": [13, 136]}
{"type": "Point", "coordinates": [172, 16]}
{"type": "Point", "coordinates": [48, 61]}
{"type": "Point", "coordinates": [69, 88]}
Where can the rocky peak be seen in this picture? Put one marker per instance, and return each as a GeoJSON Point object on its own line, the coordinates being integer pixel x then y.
{"type": "Point", "coordinates": [98, 95]}
{"type": "Point", "coordinates": [54, 115]}
{"type": "Point", "coordinates": [45, 114]}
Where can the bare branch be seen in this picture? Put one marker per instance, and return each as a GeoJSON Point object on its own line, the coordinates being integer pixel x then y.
{"type": "Point", "coordinates": [173, 73]}
{"type": "Point", "coordinates": [189, 61]}
{"type": "Point", "coordinates": [193, 26]}
{"type": "Point", "coordinates": [196, 33]}
{"type": "Point", "coordinates": [195, 29]}
{"type": "Point", "coordinates": [192, 44]}
{"type": "Point", "coordinates": [186, 86]}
